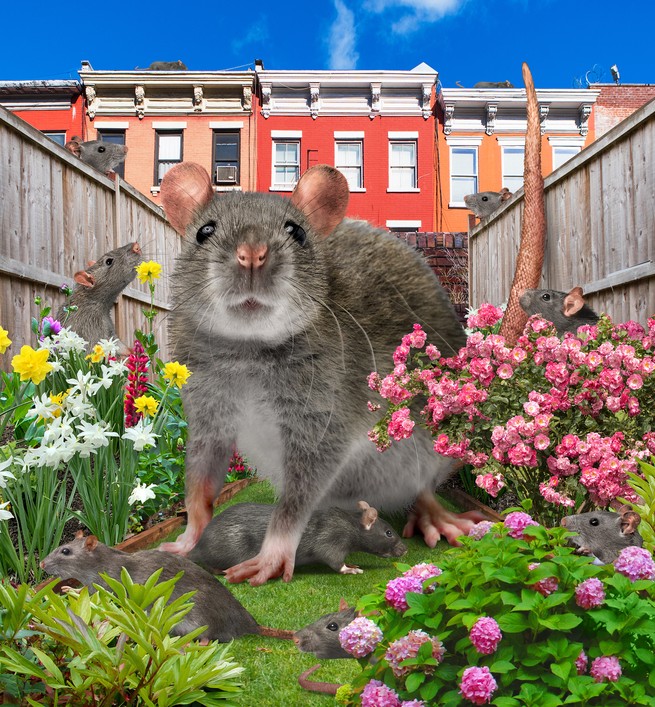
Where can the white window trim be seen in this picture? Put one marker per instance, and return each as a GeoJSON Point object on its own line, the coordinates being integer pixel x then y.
{"type": "Point", "coordinates": [102, 125]}
{"type": "Point", "coordinates": [348, 134]}
{"type": "Point", "coordinates": [472, 143]}
{"type": "Point", "coordinates": [391, 223]}
{"type": "Point", "coordinates": [161, 125]}
{"type": "Point", "coordinates": [360, 141]}
{"type": "Point", "coordinates": [226, 125]}
{"type": "Point", "coordinates": [393, 137]}
{"type": "Point", "coordinates": [561, 141]}
{"type": "Point", "coordinates": [402, 135]}
{"type": "Point", "coordinates": [286, 134]}
{"type": "Point", "coordinates": [511, 141]}
{"type": "Point", "coordinates": [281, 136]}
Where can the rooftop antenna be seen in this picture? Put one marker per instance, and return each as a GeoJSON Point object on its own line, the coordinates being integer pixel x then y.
{"type": "Point", "coordinates": [615, 74]}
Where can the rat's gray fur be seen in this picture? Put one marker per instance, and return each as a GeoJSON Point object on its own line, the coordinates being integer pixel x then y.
{"type": "Point", "coordinates": [551, 306]}
{"type": "Point", "coordinates": [484, 203]}
{"type": "Point", "coordinates": [602, 534]}
{"type": "Point", "coordinates": [213, 604]}
{"type": "Point", "coordinates": [236, 535]}
{"type": "Point", "coordinates": [322, 636]}
{"type": "Point", "coordinates": [103, 156]}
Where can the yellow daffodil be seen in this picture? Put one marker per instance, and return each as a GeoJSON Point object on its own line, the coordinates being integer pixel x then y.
{"type": "Point", "coordinates": [146, 405]}
{"type": "Point", "coordinates": [148, 271]}
{"type": "Point", "coordinates": [97, 354]}
{"type": "Point", "coordinates": [176, 373]}
{"type": "Point", "coordinates": [5, 341]}
{"type": "Point", "coordinates": [32, 365]}
{"type": "Point", "coordinates": [58, 400]}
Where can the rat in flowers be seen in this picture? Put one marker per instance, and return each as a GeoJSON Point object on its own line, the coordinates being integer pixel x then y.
{"type": "Point", "coordinates": [281, 309]}
{"type": "Point", "coordinates": [95, 292]}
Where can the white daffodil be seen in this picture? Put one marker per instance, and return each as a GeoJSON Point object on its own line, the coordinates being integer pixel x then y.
{"type": "Point", "coordinates": [76, 406]}
{"type": "Point", "coordinates": [60, 429]}
{"type": "Point", "coordinates": [4, 473]}
{"type": "Point", "coordinates": [66, 341]}
{"type": "Point", "coordinates": [96, 434]}
{"type": "Point", "coordinates": [56, 364]}
{"type": "Point", "coordinates": [5, 515]}
{"type": "Point", "coordinates": [115, 368]}
{"type": "Point", "coordinates": [141, 493]}
{"type": "Point", "coordinates": [43, 407]}
{"type": "Point", "coordinates": [79, 384]}
{"type": "Point", "coordinates": [52, 455]}
{"type": "Point", "coordinates": [110, 346]}
{"type": "Point", "coordinates": [141, 435]}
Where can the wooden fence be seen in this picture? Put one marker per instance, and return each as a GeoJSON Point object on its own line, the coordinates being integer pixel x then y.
{"type": "Point", "coordinates": [600, 213]}
{"type": "Point", "coordinates": [56, 213]}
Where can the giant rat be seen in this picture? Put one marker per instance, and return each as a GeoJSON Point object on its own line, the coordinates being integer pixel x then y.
{"type": "Point", "coordinates": [103, 156]}
{"type": "Point", "coordinates": [566, 310]}
{"type": "Point", "coordinates": [282, 309]}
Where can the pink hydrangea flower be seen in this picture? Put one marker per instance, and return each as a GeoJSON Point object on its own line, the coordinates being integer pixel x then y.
{"type": "Point", "coordinates": [412, 703]}
{"type": "Point", "coordinates": [517, 522]}
{"type": "Point", "coordinates": [397, 589]}
{"type": "Point", "coordinates": [605, 669]}
{"type": "Point", "coordinates": [590, 593]}
{"type": "Point", "coordinates": [543, 586]}
{"type": "Point", "coordinates": [477, 685]}
{"type": "Point", "coordinates": [360, 637]}
{"type": "Point", "coordinates": [423, 570]}
{"type": "Point", "coordinates": [377, 694]}
{"type": "Point", "coordinates": [408, 647]}
{"type": "Point", "coordinates": [581, 663]}
{"type": "Point", "coordinates": [485, 635]}
{"type": "Point", "coordinates": [635, 563]}
{"type": "Point", "coordinates": [479, 530]}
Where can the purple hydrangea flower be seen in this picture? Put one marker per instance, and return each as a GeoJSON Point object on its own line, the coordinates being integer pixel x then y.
{"type": "Point", "coordinates": [485, 635]}
{"type": "Point", "coordinates": [605, 669]}
{"type": "Point", "coordinates": [635, 563]}
{"type": "Point", "coordinates": [477, 685]}
{"type": "Point", "coordinates": [360, 637]}
{"type": "Point", "coordinates": [479, 530]}
{"type": "Point", "coordinates": [376, 694]}
{"type": "Point", "coordinates": [517, 522]}
{"type": "Point", "coordinates": [408, 647]}
{"type": "Point", "coordinates": [581, 663]}
{"type": "Point", "coordinates": [397, 589]}
{"type": "Point", "coordinates": [590, 593]}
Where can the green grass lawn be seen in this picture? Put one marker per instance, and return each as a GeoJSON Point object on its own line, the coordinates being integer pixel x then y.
{"type": "Point", "coordinates": [273, 666]}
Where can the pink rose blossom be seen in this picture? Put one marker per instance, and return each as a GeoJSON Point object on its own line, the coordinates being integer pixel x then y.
{"type": "Point", "coordinates": [590, 594]}
{"type": "Point", "coordinates": [377, 694]}
{"type": "Point", "coordinates": [504, 371]}
{"type": "Point", "coordinates": [491, 483]}
{"type": "Point", "coordinates": [477, 685]}
{"type": "Point", "coordinates": [400, 426]}
{"type": "Point", "coordinates": [485, 635]}
{"type": "Point", "coordinates": [432, 352]}
{"type": "Point", "coordinates": [605, 669]}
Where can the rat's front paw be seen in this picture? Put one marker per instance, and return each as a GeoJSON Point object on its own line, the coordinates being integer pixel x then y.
{"type": "Point", "coordinates": [351, 569]}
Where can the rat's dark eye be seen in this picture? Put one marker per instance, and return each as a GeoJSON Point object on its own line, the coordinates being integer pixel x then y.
{"type": "Point", "coordinates": [593, 521]}
{"type": "Point", "coordinates": [206, 232]}
{"type": "Point", "coordinates": [485, 198]}
{"type": "Point", "coordinates": [108, 261]}
{"type": "Point", "coordinates": [389, 533]}
{"type": "Point", "coordinates": [545, 297]}
{"type": "Point", "coordinates": [101, 149]}
{"type": "Point", "coordinates": [65, 551]}
{"type": "Point", "coordinates": [298, 232]}
{"type": "Point", "coordinates": [333, 626]}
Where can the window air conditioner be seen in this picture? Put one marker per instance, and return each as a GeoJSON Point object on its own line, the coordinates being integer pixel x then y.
{"type": "Point", "coordinates": [226, 174]}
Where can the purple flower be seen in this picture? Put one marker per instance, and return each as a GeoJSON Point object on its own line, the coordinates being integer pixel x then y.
{"type": "Point", "coordinates": [397, 589]}
{"type": "Point", "coordinates": [477, 685]}
{"type": "Point", "coordinates": [517, 522]}
{"type": "Point", "coordinates": [605, 669]}
{"type": "Point", "coordinates": [590, 593]}
{"type": "Point", "coordinates": [408, 647]}
{"type": "Point", "coordinates": [485, 635]}
{"type": "Point", "coordinates": [635, 563]}
{"type": "Point", "coordinates": [479, 530]}
{"type": "Point", "coordinates": [49, 327]}
{"type": "Point", "coordinates": [581, 663]}
{"type": "Point", "coordinates": [360, 637]}
{"type": "Point", "coordinates": [376, 694]}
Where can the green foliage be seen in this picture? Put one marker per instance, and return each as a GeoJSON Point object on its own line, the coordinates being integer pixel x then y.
{"type": "Point", "coordinates": [109, 648]}
{"type": "Point", "coordinates": [543, 632]}
{"type": "Point", "coordinates": [644, 486]}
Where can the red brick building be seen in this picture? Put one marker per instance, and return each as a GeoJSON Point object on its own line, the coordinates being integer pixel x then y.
{"type": "Point", "coordinates": [616, 102]}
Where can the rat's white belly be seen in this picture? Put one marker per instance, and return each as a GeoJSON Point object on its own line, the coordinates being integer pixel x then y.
{"type": "Point", "coordinates": [259, 438]}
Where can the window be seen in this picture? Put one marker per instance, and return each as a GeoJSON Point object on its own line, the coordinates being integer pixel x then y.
{"type": "Point", "coordinates": [513, 167]}
{"type": "Point", "coordinates": [562, 154]}
{"type": "Point", "coordinates": [117, 137]}
{"type": "Point", "coordinates": [286, 163]}
{"type": "Point", "coordinates": [348, 160]}
{"type": "Point", "coordinates": [58, 136]}
{"type": "Point", "coordinates": [402, 165]}
{"type": "Point", "coordinates": [226, 157]}
{"type": "Point", "coordinates": [463, 173]}
{"type": "Point", "coordinates": [168, 152]}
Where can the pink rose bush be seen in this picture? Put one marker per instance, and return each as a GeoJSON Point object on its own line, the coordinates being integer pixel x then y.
{"type": "Point", "coordinates": [558, 420]}
{"type": "Point", "coordinates": [511, 617]}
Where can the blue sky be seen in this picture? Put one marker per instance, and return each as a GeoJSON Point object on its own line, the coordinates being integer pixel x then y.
{"type": "Point", "coordinates": [464, 40]}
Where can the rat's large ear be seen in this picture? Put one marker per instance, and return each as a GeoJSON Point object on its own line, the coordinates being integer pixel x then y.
{"type": "Point", "coordinates": [322, 194]}
{"type": "Point", "coordinates": [84, 278]}
{"type": "Point", "coordinates": [185, 189]}
{"type": "Point", "coordinates": [73, 145]}
{"type": "Point", "coordinates": [79, 534]}
{"type": "Point", "coordinates": [505, 194]}
{"type": "Point", "coordinates": [629, 520]}
{"type": "Point", "coordinates": [369, 515]}
{"type": "Point", "coordinates": [573, 302]}
{"type": "Point", "coordinates": [343, 604]}
{"type": "Point", "coordinates": [90, 543]}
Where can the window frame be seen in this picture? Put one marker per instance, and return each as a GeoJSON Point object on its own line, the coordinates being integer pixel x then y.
{"type": "Point", "coordinates": [511, 181]}
{"type": "Point", "coordinates": [109, 132]}
{"type": "Point", "coordinates": [393, 141]}
{"type": "Point", "coordinates": [475, 175]}
{"type": "Point", "coordinates": [158, 133]}
{"type": "Point", "coordinates": [51, 133]}
{"type": "Point", "coordinates": [284, 186]}
{"type": "Point", "coordinates": [216, 132]}
{"type": "Point", "coordinates": [360, 166]}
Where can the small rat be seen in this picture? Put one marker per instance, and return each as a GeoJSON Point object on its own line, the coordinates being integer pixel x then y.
{"type": "Point", "coordinates": [103, 156]}
{"type": "Point", "coordinates": [493, 84]}
{"type": "Point", "coordinates": [322, 636]}
{"type": "Point", "coordinates": [214, 606]}
{"type": "Point", "coordinates": [604, 534]}
{"type": "Point", "coordinates": [282, 308]}
{"type": "Point", "coordinates": [168, 66]}
{"type": "Point", "coordinates": [484, 203]}
{"type": "Point", "coordinates": [566, 310]}
{"type": "Point", "coordinates": [236, 535]}
{"type": "Point", "coordinates": [95, 291]}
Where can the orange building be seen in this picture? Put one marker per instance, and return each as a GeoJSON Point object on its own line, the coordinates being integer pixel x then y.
{"type": "Point", "coordinates": [481, 141]}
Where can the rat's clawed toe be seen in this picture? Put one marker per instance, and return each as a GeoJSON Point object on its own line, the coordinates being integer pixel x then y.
{"type": "Point", "coordinates": [434, 521]}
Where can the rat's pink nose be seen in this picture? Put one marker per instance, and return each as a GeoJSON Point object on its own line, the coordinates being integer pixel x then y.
{"type": "Point", "coordinates": [249, 256]}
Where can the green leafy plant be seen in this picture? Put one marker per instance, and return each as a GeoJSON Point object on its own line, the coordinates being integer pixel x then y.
{"type": "Point", "coordinates": [644, 486]}
{"type": "Point", "coordinates": [109, 648]}
{"type": "Point", "coordinates": [512, 618]}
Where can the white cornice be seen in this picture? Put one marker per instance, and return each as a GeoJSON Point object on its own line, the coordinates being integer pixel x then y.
{"type": "Point", "coordinates": [347, 78]}
{"type": "Point", "coordinates": [515, 97]}
{"type": "Point", "coordinates": [167, 78]}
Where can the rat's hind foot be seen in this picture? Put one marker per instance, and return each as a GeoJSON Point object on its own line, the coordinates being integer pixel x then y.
{"type": "Point", "coordinates": [434, 521]}
{"type": "Point", "coordinates": [351, 569]}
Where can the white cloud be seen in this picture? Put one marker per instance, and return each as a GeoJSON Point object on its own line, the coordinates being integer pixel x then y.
{"type": "Point", "coordinates": [342, 39]}
{"type": "Point", "coordinates": [418, 12]}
